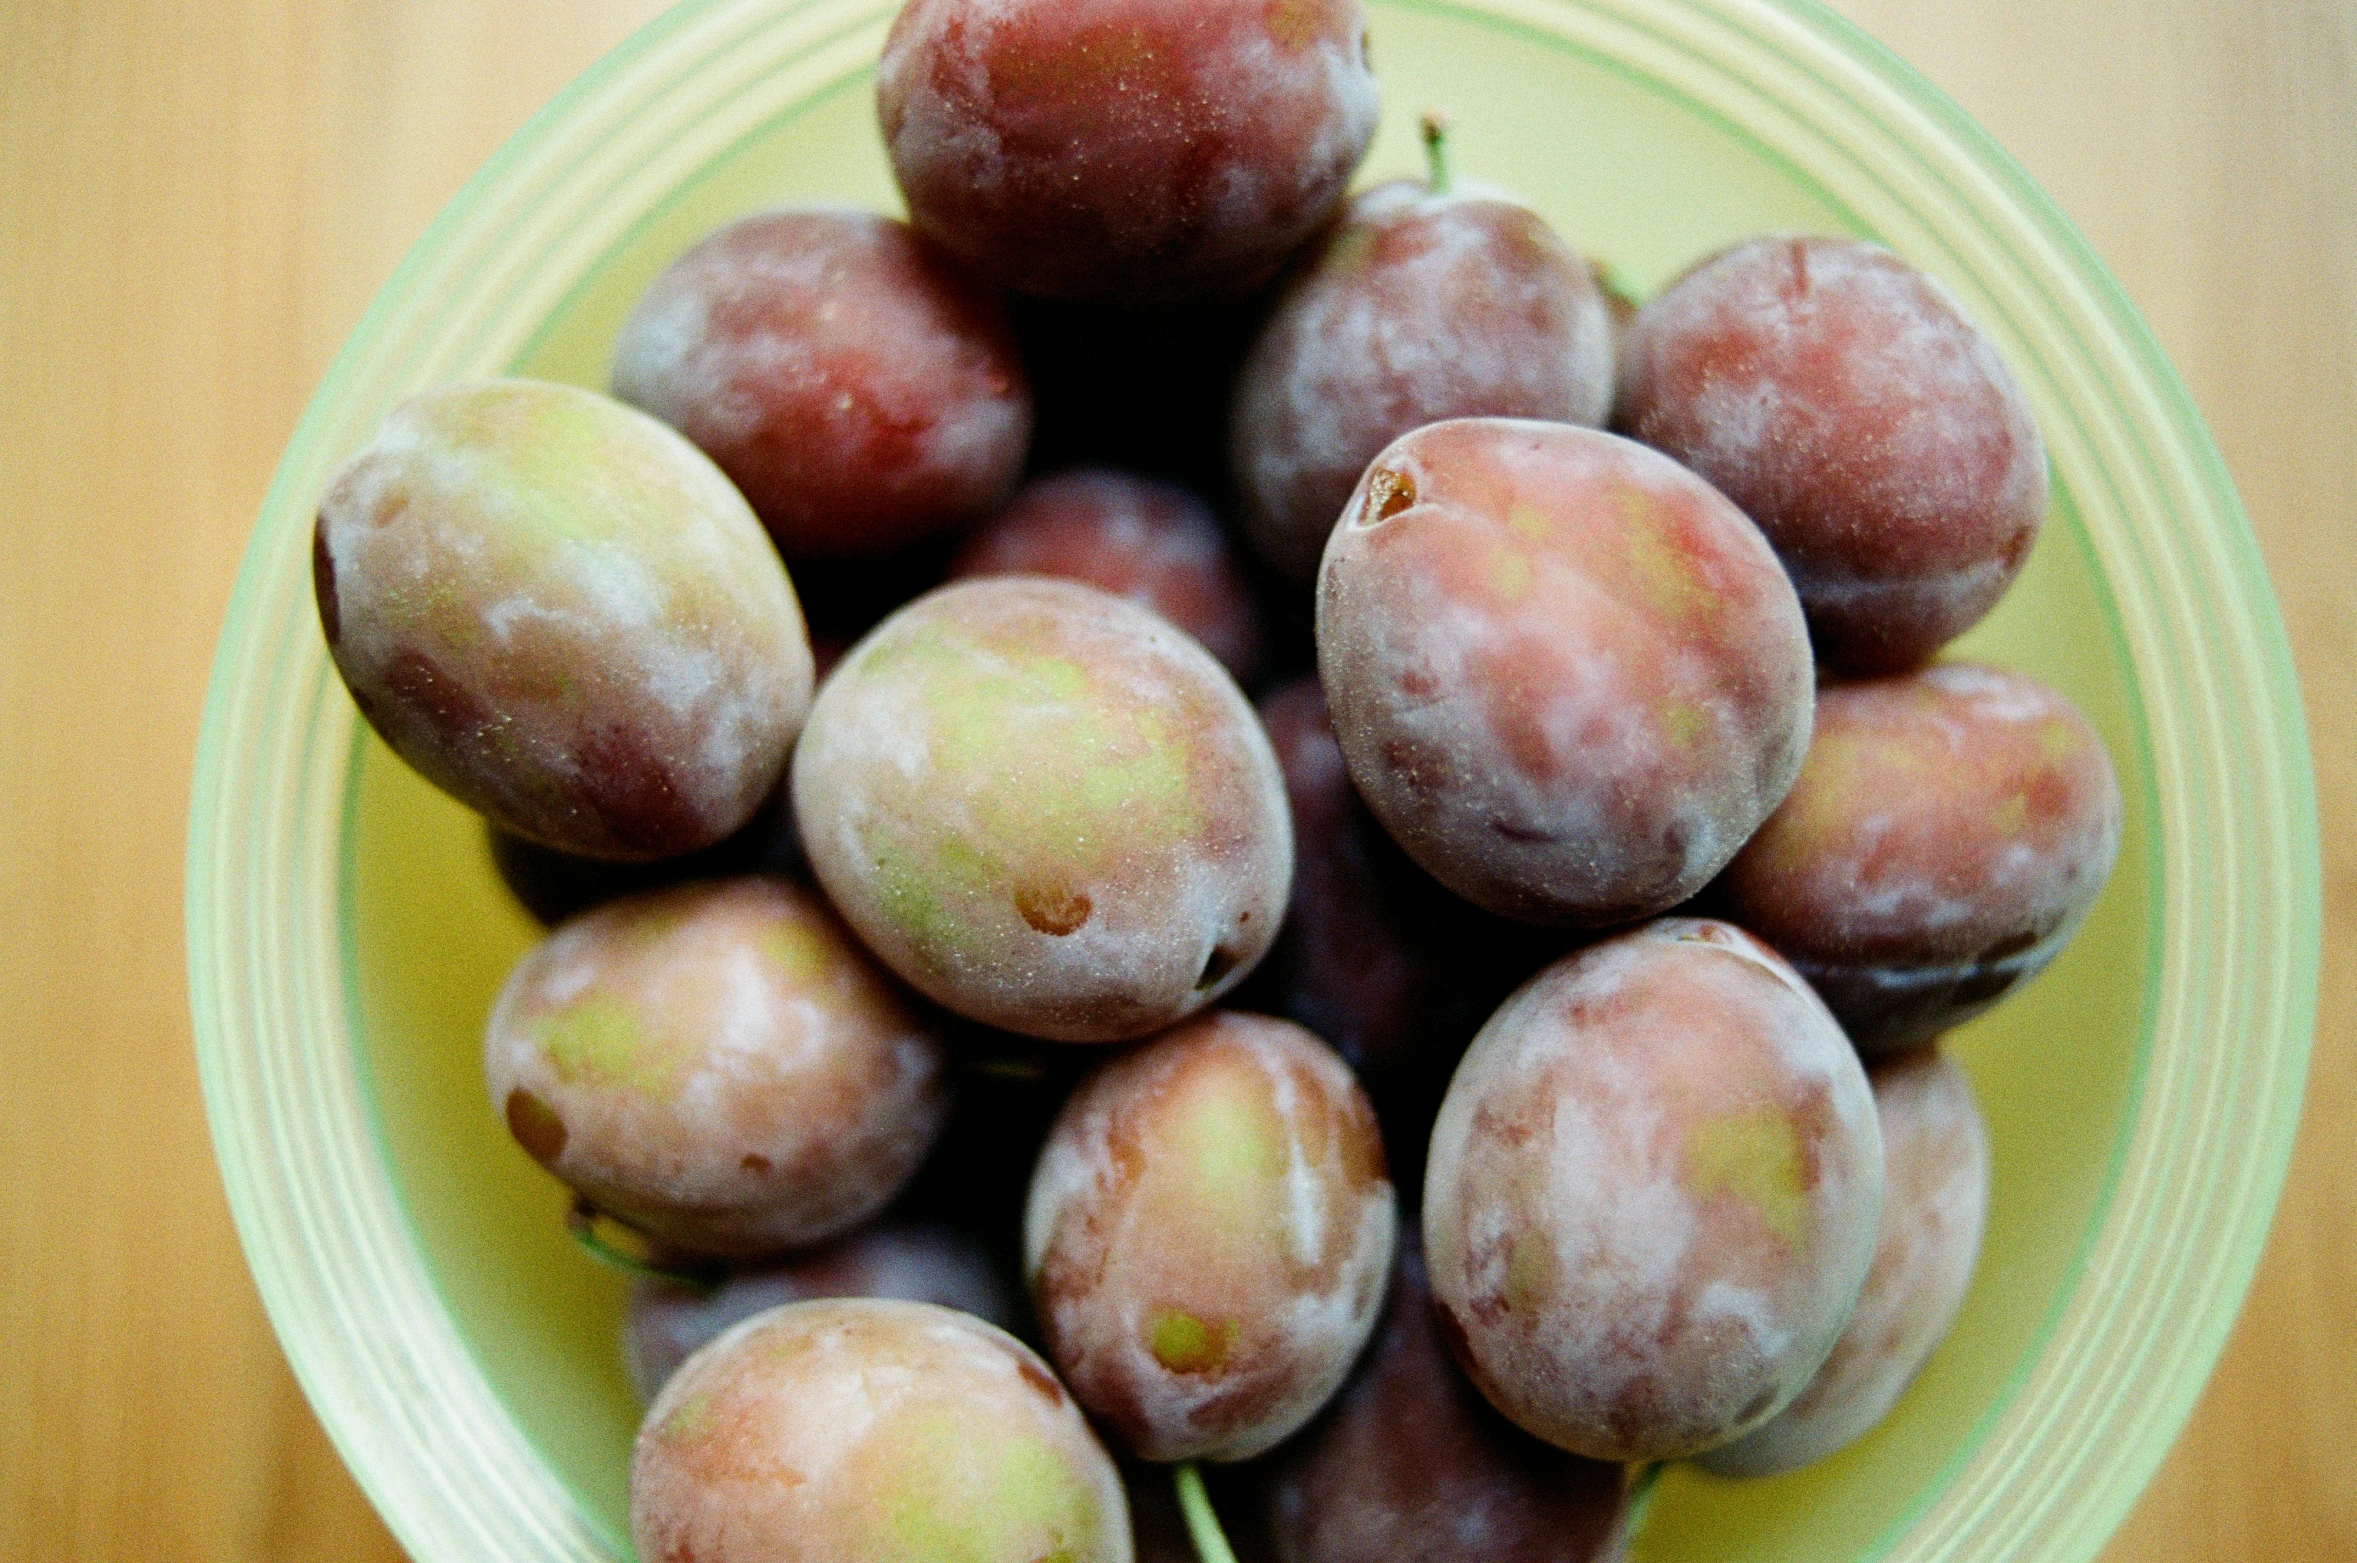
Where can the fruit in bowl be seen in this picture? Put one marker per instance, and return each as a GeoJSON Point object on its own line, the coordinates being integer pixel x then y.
{"type": "Point", "coordinates": [473, 1289]}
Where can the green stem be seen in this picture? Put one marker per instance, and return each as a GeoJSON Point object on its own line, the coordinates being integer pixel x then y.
{"type": "Point", "coordinates": [1436, 158]}
{"type": "Point", "coordinates": [581, 1221]}
{"type": "Point", "coordinates": [1211, 1545]}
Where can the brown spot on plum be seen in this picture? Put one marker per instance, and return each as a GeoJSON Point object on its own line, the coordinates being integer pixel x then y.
{"type": "Point", "coordinates": [1055, 910]}
{"type": "Point", "coordinates": [756, 1164]}
{"type": "Point", "coordinates": [1388, 493]}
{"type": "Point", "coordinates": [1041, 1380]}
{"type": "Point", "coordinates": [323, 587]}
{"type": "Point", "coordinates": [536, 1126]}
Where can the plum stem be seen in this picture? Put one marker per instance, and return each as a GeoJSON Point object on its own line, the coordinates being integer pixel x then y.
{"type": "Point", "coordinates": [581, 1221]}
{"type": "Point", "coordinates": [1436, 157]}
{"type": "Point", "coordinates": [1211, 1544]}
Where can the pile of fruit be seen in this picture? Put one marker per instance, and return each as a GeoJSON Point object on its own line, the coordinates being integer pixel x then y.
{"type": "Point", "coordinates": [1599, 866]}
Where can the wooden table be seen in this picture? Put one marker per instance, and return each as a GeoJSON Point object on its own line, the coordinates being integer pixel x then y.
{"type": "Point", "coordinates": [196, 201]}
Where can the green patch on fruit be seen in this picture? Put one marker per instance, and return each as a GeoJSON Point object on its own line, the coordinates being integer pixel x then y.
{"type": "Point", "coordinates": [1293, 25]}
{"type": "Point", "coordinates": [1757, 1156]}
{"type": "Point", "coordinates": [1683, 722]}
{"type": "Point", "coordinates": [689, 1418]}
{"type": "Point", "coordinates": [1230, 1144]}
{"type": "Point", "coordinates": [800, 952]}
{"type": "Point", "coordinates": [1185, 1344]}
{"type": "Point", "coordinates": [598, 1040]}
{"type": "Point", "coordinates": [1530, 1273]}
{"type": "Point", "coordinates": [1527, 522]}
{"type": "Point", "coordinates": [955, 1492]}
{"type": "Point", "coordinates": [906, 896]}
{"type": "Point", "coordinates": [2011, 816]}
{"type": "Point", "coordinates": [1510, 574]}
{"type": "Point", "coordinates": [1663, 575]}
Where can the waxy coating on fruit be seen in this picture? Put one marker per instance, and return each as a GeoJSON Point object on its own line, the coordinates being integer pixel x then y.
{"type": "Point", "coordinates": [561, 613]}
{"type": "Point", "coordinates": [1393, 971]}
{"type": "Point", "coordinates": [1841, 397]}
{"type": "Point", "coordinates": [1125, 149]}
{"type": "Point", "coordinates": [1567, 675]}
{"type": "Point", "coordinates": [852, 381]}
{"type": "Point", "coordinates": [1653, 1194]}
{"type": "Point", "coordinates": [871, 1429]}
{"type": "Point", "coordinates": [1421, 305]}
{"type": "Point", "coordinates": [1411, 1462]}
{"type": "Point", "coordinates": [1935, 1200]}
{"type": "Point", "coordinates": [1949, 832]}
{"type": "Point", "coordinates": [1047, 809]}
{"type": "Point", "coordinates": [718, 1066]}
{"type": "Point", "coordinates": [666, 1322]}
{"type": "Point", "coordinates": [1151, 542]}
{"type": "Point", "coordinates": [1207, 1240]}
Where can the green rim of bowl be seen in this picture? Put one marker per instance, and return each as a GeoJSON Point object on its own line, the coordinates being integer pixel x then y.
{"type": "Point", "coordinates": [2053, 1466]}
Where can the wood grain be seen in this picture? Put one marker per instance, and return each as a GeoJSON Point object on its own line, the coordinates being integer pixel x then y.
{"type": "Point", "coordinates": [196, 202]}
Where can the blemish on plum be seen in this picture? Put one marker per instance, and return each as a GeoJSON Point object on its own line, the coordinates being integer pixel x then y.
{"type": "Point", "coordinates": [1055, 910]}
{"type": "Point", "coordinates": [535, 1125]}
{"type": "Point", "coordinates": [756, 1164]}
{"type": "Point", "coordinates": [1388, 493]}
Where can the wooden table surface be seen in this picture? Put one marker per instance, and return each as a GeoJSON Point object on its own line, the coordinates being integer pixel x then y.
{"type": "Point", "coordinates": [196, 202]}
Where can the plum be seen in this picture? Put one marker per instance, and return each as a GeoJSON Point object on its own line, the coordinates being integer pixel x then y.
{"type": "Point", "coordinates": [868, 1428]}
{"type": "Point", "coordinates": [1125, 149]}
{"type": "Point", "coordinates": [1841, 397]}
{"type": "Point", "coordinates": [1208, 1235]}
{"type": "Point", "coordinates": [561, 613]}
{"type": "Point", "coordinates": [1653, 1194]}
{"type": "Point", "coordinates": [1935, 1197]}
{"type": "Point", "coordinates": [716, 1065]}
{"type": "Point", "coordinates": [666, 1322]}
{"type": "Point", "coordinates": [861, 390]}
{"type": "Point", "coordinates": [1566, 674]}
{"type": "Point", "coordinates": [1411, 1462]}
{"type": "Point", "coordinates": [1149, 541]}
{"type": "Point", "coordinates": [1422, 304]}
{"type": "Point", "coordinates": [1949, 831]}
{"type": "Point", "coordinates": [1046, 809]}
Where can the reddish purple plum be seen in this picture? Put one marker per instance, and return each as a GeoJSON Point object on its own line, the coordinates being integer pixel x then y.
{"type": "Point", "coordinates": [1949, 831]}
{"type": "Point", "coordinates": [1151, 542]}
{"type": "Point", "coordinates": [1653, 1194]}
{"type": "Point", "coordinates": [1125, 149]}
{"type": "Point", "coordinates": [860, 390]}
{"type": "Point", "coordinates": [1411, 1462]}
{"type": "Point", "coordinates": [1420, 306]}
{"type": "Point", "coordinates": [1841, 397]}
{"type": "Point", "coordinates": [1567, 675]}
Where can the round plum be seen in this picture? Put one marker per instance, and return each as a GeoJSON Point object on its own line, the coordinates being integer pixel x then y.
{"type": "Point", "coordinates": [1208, 1235]}
{"type": "Point", "coordinates": [870, 1428]}
{"type": "Point", "coordinates": [665, 1322]}
{"type": "Point", "coordinates": [1420, 306]}
{"type": "Point", "coordinates": [561, 613]}
{"type": "Point", "coordinates": [1949, 831]}
{"type": "Point", "coordinates": [1653, 1194]}
{"type": "Point", "coordinates": [1567, 675]}
{"type": "Point", "coordinates": [1411, 1462]}
{"type": "Point", "coordinates": [1841, 397]}
{"type": "Point", "coordinates": [860, 390]}
{"type": "Point", "coordinates": [716, 1065]}
{"type": "Point", "coordinates": [1047, 809]}
{"type": "Point", "coordinates": [1151, 542]}
{"type": "Point", "coordinates": [1125, 149]}
{"type": "Point", "coordinates": [1935, 1198]}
